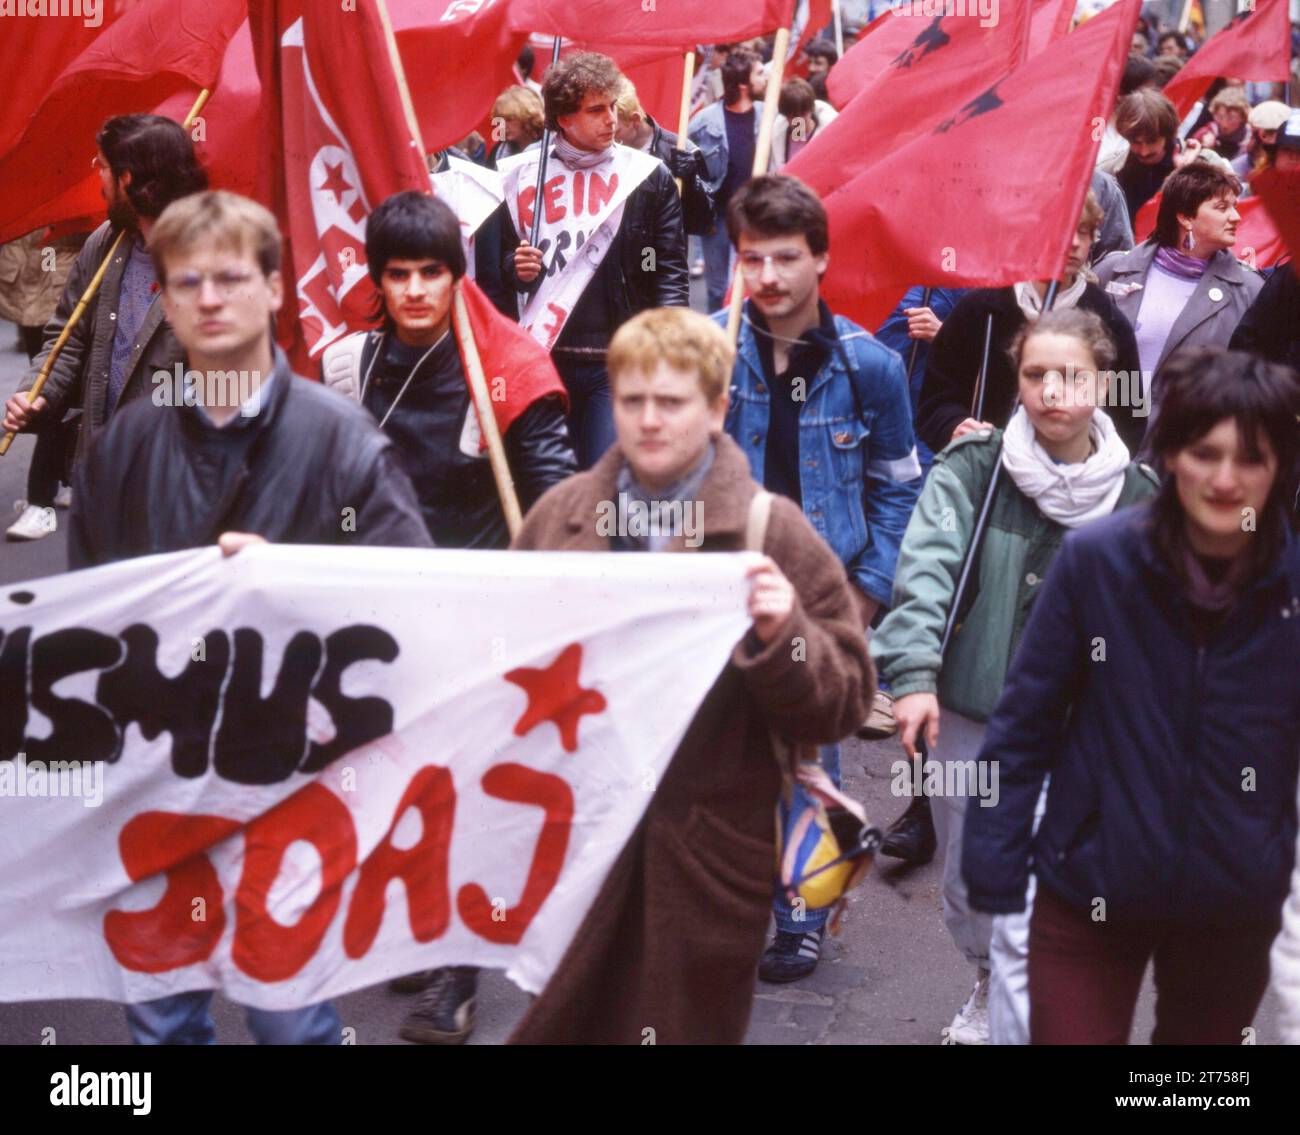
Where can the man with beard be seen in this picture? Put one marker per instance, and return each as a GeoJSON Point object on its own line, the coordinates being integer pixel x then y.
{"type": "Point", "coordinates": [144, 162]}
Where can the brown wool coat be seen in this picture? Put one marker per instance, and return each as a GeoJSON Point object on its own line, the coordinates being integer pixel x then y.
{"type": "Point", "coordinates": [672, 941]}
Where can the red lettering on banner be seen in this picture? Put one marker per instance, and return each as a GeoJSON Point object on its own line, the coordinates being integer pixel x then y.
{"type": "Point", "coordinates": [524, 210]}
{"type": "Point", "coordinates": [522, 785]}
{"type": "Point", "coordinates": [170, 936]}
{"type": "Point", "coordinates": [423, 868]}
{"type": "Point", "coordinates": [579, 186]}
{"type": "Point", "coordinates": [555, 212]}
{"type": "Point", "coordinates": [600, 192]}
{"type": "Point", "coordinates": [263, 948]}
{"type": "Point", "coordinates": [553, 329]}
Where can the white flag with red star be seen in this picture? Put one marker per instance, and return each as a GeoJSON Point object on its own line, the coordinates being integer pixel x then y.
{"type": "Point", "coordinates": [264, 774]}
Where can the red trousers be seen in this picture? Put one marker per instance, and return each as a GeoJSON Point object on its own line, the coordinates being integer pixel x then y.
{"type": "Point", "coordinates": [1084, 978]}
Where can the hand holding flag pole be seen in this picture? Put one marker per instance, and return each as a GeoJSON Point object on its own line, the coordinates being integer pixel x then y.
{"type": "Point", "coordinates": [89, 294]}
{"type": "Point", "coordinates": [460, 316]}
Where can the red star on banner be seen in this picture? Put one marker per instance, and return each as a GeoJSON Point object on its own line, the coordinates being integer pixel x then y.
{"type": "Point", "coordinates": [556, 694]}
{"type": "Point", "coordinates": [336, 183]}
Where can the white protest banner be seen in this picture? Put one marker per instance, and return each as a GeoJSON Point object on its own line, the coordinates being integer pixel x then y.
{"type": "Point", "coordinates": [581, 212]}
{"type": "Point", "coordinates": [473, 193]}
{"type": "Point", "coordinates": [301, 771]}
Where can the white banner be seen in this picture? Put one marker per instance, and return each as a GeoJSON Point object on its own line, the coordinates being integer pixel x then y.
{"type": "Point", "coordinates": [301, 771]}
{"type": "Point", "coordinates": [581, 212]}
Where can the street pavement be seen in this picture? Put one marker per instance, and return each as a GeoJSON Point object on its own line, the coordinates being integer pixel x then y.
{"type": "Point", "coordinates": [893, 975]}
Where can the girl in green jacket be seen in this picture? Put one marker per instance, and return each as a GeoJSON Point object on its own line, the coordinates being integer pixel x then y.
{"type": "Point", "coordinates": [1061, 465]}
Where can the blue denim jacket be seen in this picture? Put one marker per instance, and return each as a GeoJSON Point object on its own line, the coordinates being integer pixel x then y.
{"type": "Point", "coordinates": [708, 130]}
{"type": "Point", "coordinates": [859, 473]}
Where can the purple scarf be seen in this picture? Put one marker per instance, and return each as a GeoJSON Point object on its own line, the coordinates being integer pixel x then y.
{"type": "Point", "coordinates": [1179, 264]}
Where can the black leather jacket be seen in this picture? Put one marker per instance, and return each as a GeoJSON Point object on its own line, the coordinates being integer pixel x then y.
{"type": "Point", "coordinates": [312, 469]}
{"type": "Point", "coordinates": [652, 219]}
{"type": "Point", "coordinates": [699, 207]}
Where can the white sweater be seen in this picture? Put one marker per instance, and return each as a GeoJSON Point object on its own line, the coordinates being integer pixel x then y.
{"type": "Point", "coordinates": [1286, 962]}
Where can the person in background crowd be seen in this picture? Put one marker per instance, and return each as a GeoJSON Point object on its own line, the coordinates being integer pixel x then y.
{"type": "Point", "coordinates": [144, 163]}
{"type": "Point", "coordinates": [1156, 844]}
{"type": "Point", "coordinates": [636, 128]}
{"type": "Point", "coordinates": [1271, 326]}
{"type": "Point", "coordinates": [821, 56]}
{"type": "Point", "coordinates": [822, 412]}
{"type": "Point", "coordinates": [1182, 287]}
{"type": "Point", "coordinates": [1265, 122]}
{"type": "Point", "coordinates": [525, 62]}
{"type": "Point", "coordinates": [1229, 133]}
{"type": "Point", "coordinates": [33, 273]}
{"type": "Point", "coordinates": [1138, 73]}
{"type": "Point", "coordinates": [801, 116]}
{"type": "Point", "coordinates": [274, 459]}
{"type": "Point", "coordinates": [674, 936]}
{"type": "Point", "coordinates": [727, 135]}
{"type": "Point", "coordinates": [1148, 122]}
{"type": "Point", "coordinates": [706, 87]}
{"type": "Point", "coordinates": [1115, 233]}
{"type": "Point", "coordinates": [1063, 464]}
{"type": "Point", "coordinates": [947, 392]}
{"type": "Point", "coordinates": [579, 96]}
{"type": "Point", "coordinates": [1166, 67]}
{"type": "Point", "coordinates": [517, 122]}
{"type": "Point", "coordinates": [1172, 45]}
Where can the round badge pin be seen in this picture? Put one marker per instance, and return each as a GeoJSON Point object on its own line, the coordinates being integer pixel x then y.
{"type": "Point", "coordinates": [1216, 294]}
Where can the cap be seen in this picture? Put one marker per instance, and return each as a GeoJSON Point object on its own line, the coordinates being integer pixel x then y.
{"type": "Point", "coordinates": [1288, 135]}
{"type": "Point", "coordinates": [1269, 115]}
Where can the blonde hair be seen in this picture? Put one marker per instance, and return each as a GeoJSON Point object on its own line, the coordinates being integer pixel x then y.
{"type": "Point", "coordinates": [523, 105]}
{"type": "Point", "coordinates": [1231, 98]}
{"type": "Point", "coordinates": [626, 101]}
{"type": "Point", "coordinates": [1092, 214]}
{"type": "Point", "coordinates": [216, 217]}
{"type": "Point", "coordinates": [684, 339]}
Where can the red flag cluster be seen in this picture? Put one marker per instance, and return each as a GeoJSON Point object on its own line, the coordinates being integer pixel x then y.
{"type": "Point", "coordinates": [1255, 46]}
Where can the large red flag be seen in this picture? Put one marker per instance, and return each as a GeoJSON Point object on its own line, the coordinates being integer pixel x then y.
{"type": "Point", "coordinates": [151, 52]}
{"type": "Point", "coordinates": [1280, 193]}
{"type": "Point", "coordinates": [337, 144]}
{"type": "Point", "coordinates": [943, 59]}
{"type": "Point", "coordinates": [1259, 243]}
{"type": "Point", "coordinates": [663, 23]}
{"type": "Point", "coordinates": [991, 194]}
{"type": "Point", "coordinates": [1051, 20]}
{"type": "Point", "coordinates": [1255, 46]}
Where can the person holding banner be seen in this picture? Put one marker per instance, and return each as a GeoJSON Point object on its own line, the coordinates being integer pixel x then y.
{"type": "Point", "coordinates": [606, 242]}
{"type": "Point", "coordinates": [144, 162]}
{"type": "Point", "coordinates": [822, 412]}
{"type": "Point", "coordinates": [668, 951]}
{"type": "Point", "coordinates": [410, 376]}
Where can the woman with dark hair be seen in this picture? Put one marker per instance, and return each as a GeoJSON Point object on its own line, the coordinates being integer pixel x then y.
{"type": "Point", "coordinates": [1182, 286]}
{"type": "Point", "coordinates": [1156, 684]}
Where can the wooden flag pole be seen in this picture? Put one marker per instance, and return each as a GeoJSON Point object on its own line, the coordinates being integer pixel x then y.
{"type": "Point", "coordinates": [89, 294]}
{"type": "Point", "coordinates": [460, 315]}
{"type": "Point", "coordinates": [762, 152]}
{"type": "Point", "coordinates": [684, 118]}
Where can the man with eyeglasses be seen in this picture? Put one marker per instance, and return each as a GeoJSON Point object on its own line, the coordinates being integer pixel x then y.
{"type": "Point", "coordinates": [823, 412]}
{"type": "Point", "coordinates": [144, 162]}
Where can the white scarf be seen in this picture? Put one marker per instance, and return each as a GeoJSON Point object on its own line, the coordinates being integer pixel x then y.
{"type": "Point", "coordinates": [1030, 303]}
{"type": "Point", "coordinates": [1071, 495]}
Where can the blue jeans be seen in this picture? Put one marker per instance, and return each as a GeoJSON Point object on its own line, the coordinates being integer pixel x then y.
{"type": "Point", "coordinates": [717, 264]}
{"type": "Point", "coordinates": [184, 1019]}
{"type": "Point", "coordinates": [591, 410]}
{"type": "Point", "coordinates": [829, 756]}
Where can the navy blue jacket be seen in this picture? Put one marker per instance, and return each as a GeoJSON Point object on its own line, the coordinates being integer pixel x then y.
{"type": "Point", "coordinates": [1173, 765]}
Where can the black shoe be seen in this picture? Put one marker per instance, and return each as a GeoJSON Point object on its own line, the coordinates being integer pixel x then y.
{"type": "Point", "coordinates": [790, 956]}
{"type": "Point", "coordinates": [444, 1012]}
{"type": "Point", "coordinates": [416, 982]}
{"type": "Point", "coordinates": [911, 837]}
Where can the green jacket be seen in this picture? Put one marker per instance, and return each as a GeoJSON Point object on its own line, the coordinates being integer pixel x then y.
{"type": "Point", "coordinates": [1018, 547]}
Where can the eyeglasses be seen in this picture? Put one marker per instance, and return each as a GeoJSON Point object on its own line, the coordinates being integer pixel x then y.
{"type": "Point", "coordinates": [185, 287]}
{"type": "Point", "coordinates": [783, 263]}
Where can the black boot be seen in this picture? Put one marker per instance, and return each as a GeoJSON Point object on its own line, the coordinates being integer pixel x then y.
{"type": "Point", "coordinates": [444, 1012]}
{"type": "Point", "coordinates": [911, 837]}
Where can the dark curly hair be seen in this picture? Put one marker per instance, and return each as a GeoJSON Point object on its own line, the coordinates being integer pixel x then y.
{"type": "Point", "coordinates": [159, 156]}
{"type": "Point", "coordinates": [573, 79]}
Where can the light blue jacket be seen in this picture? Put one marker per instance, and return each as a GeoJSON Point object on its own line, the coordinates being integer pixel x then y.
{"type": "Point", "coordinates": [708, 130]}
{"type": "Point", "coordinates": [858, 471]}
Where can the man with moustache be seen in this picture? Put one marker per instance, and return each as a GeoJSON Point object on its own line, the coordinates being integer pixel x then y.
{"type": "Point", "coordinates": [144, 162]}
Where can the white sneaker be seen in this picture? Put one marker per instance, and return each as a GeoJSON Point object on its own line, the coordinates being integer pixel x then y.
{"type": "Point", "coordinates": [971, 1024]}
{"type": "Point", "coordinates": [34, 524]}
{"type": "Point", "coordinates": [63, 498]}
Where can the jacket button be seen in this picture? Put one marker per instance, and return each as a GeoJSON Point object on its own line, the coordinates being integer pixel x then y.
{"type": "Point", "coordinates": [756, 439]}
{"type": "Point", "coordinates": [112, 315]}
{"type": "Point", "coordinates": [1031, 579]}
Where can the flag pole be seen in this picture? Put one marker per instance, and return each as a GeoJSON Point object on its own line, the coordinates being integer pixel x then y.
{"type": "Point", "coordinates": [541, 164]}
{"type": "Point", "coordinates": [684, 117]}
{"type": "Point", "coordinates": [838, 16]}
{"type": "Point", "coordinates": [762, 152]}
{"type": "Point", "coordinates": [86, 296]}
{"type": "Point", "coordinates": [460, 315]}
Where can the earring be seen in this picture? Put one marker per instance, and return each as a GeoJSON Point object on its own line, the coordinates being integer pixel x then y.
{"type": "Point", "coordinates": [1188, 243]}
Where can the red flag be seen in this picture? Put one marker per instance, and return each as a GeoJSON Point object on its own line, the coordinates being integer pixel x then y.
{"type": "Point", "coordinates": [339, 155]}
{"type": "Point", "coordinates": [458, 55]}
{"type": "Point", "coordinates": [1259, 243]}
{"type": "Point", "coordinates": [968, 203]}
{"type": "Point", "coordinates": [941, 60]}
{"type": "Point", "coordinates": [1051, 20]}
{"type": "Point", "coordinates": [664, 23]}
{"type": "Point", "coordinates": [154, 50]}
{"type": "Point", "coordinates": [1280, 193]}
{"type": "Point", "coordinates": [1255, 46]}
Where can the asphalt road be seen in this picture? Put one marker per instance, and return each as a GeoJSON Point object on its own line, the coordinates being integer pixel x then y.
{"type": "Point", "coordinates": [892, 977]}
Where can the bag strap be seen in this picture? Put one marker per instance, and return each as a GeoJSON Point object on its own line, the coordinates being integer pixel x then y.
{"type": "Point", "coordinates": [760, 510]}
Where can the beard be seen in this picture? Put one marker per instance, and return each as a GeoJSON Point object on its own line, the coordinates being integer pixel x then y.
{"type": "Point", "coordinates": [121, 213]}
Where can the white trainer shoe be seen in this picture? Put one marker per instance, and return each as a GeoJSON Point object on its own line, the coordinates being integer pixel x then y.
{"type": "Point", "coordinates": [35, 523]}
{"type": "Point", "coordinates": [971, 1024]}
{"type": "Point", "coordinates": [63, 498]}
